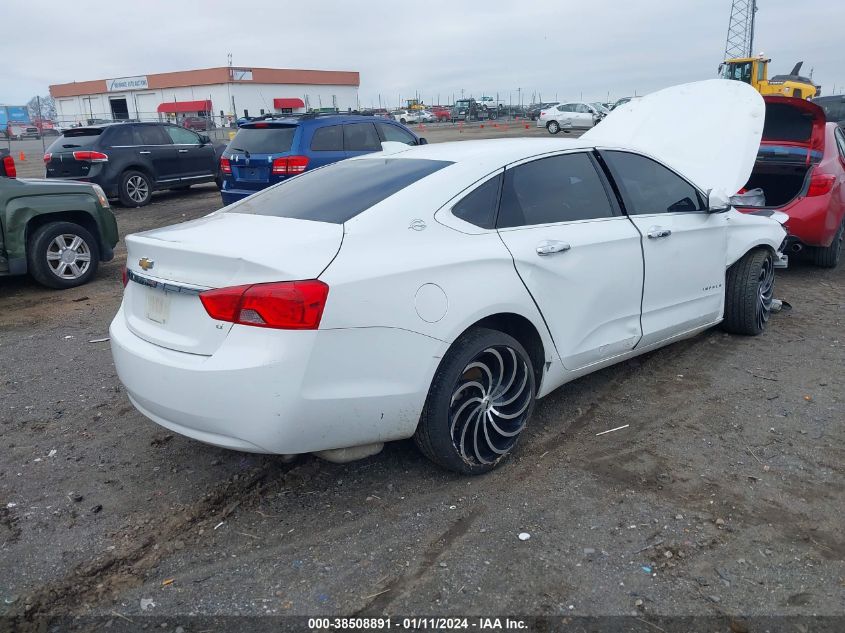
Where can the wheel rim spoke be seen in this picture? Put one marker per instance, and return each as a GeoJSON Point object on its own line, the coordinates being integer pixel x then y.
{"type": "Point", "coordinates": [490, 405]}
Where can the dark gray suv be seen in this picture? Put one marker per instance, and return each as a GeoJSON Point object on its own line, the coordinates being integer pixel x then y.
{"type": "Point", "coordinates": [131, 160]}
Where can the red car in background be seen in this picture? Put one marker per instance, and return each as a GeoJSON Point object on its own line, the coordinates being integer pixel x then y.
{"type": "Point", "coordinates": [801, 169]}
{"type": "Point", "coordinates": [442, 114]}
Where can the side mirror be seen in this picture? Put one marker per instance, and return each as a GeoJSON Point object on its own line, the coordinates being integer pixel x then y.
{"type": "Point", "coordinates": [422, 141]}
{"type": "Point", "coordinates": [204, 139]}
{"type": "Point", "coordinates": [717, 201]}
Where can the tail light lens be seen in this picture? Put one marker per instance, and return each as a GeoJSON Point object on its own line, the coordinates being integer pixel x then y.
{"type": "Point", "coordinates": [91, 157]}
{"type": "Point", "coordinates": [290, 165]}
{"type": "Point", "coordinates": [48, 157]}
{"type": "Point", "coordinates": [9, 167]}
{"type": "Point", "coordinates": [820, 184]}
{"type": "Point", "coordinates": [288, 305]}
{"type": "Point", "coordinates": [124, 275]}
{"type": "Point", "coordinates": [225, 166]}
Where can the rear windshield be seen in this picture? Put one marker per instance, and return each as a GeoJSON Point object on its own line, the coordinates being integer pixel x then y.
{"type": "Point", "coordinates": [340, 191]}
{"type": "Point", "coordinates": [266, 140]}
{"type": "Point", "coordinates": [74, 139]}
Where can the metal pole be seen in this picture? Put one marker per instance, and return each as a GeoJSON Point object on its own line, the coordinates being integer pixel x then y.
{"type": "Point", "coordinates": [751, 34]}
{"type": "Point", "coordinates": [41, 118]}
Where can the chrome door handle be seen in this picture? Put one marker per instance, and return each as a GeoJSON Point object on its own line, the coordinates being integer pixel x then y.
{"type": "Point", "coordinates": [144, 152]}
{"type": "Point", "coordinates": [183, 151]}
{"type": "Point", "coordinates": [550, 247]}
{"type": "Point", "coordinates": [656, 232]}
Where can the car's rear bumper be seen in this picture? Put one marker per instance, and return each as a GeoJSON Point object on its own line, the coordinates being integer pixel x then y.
{"type": "Point", "coordinates": [812, 221]}
{"type": "Point", "coordinates": [282, 391]}
{"type": "Point", "coordinates": [233, 195]}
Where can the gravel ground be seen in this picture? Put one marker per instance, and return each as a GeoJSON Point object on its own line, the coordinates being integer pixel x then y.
{"type": "Point", "coordinates": [724, 495]}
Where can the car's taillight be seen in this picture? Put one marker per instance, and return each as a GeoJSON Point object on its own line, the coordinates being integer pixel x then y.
{"type": "Point", "coordinates": [820, 184]}
{"type": "Point", "coordinates": [91, 157]}
{"type": "Point", "coordinates": [225, 166]}
{"type": "Point", "coordinates": [125, 275]}
{"type": "Point", "coordinates": [48, 157]}
{"type": "Point", "coordinates": [290, 165]}
{"type": "Point", "coordinates": [286, 305]}
{"type": "Point", "coordinates": [9, 167]}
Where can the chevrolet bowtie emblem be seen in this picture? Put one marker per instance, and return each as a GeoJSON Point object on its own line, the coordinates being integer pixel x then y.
{"type": "Point", "coordinates": [145, 263]}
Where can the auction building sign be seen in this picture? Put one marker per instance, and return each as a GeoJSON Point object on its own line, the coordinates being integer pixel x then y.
{"type": "Point", "coordinates": [127, 83]}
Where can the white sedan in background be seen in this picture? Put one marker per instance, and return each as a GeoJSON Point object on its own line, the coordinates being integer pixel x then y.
{"type": "Point", "coordinates": [569, 116]}
{"type": "Point", "coordinates": [436, 292]}
{"type": "Point", "coordinates": [406, 116]}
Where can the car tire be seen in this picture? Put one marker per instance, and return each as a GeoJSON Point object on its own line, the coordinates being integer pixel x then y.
{"type": "Point", "coordinates": [829, 256]}
{"type": "Point", "coordinates": [135, 189]}
{"type": "Point", "coordinates": [484, 369]}
{"type": "Point", "coordinates": [62, 255]}
{"type": "Point", "coordinates": [553, 127]}
{"type": "Point", "coordinates": [402, 121]}
{"type": "Point", "coordinates": [749, 292]}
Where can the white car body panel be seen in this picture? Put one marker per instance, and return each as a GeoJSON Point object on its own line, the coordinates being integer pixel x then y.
{"type": "Point", "coordinates": [406, 278]}
{"type": "Point", "coordinates": [716, 130]}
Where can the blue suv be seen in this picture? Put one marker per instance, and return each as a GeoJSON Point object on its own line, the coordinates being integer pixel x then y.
{"type": "Point", "coordinates": [263, 153]}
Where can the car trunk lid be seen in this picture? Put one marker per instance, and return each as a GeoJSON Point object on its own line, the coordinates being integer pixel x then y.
{"type": "Point", "coordinates": [709, 131]}
{"type": "Point", "coordinates": [252, 152]}
{"type": "Point", "coordinates": [59, 159]}
{"type": "Point", "coordinates": [169, 267]}
{"type": "Point", "coordinates": [793, 131]}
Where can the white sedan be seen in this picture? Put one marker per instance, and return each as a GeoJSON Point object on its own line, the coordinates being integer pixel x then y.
{"type": "Point", "coordinates": [569, 116]}
{"type": "Point", "coordinates": [436, 292]}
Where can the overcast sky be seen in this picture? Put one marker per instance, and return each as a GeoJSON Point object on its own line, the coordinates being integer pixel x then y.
{"type": "Point", "coordinates": [558, 48]}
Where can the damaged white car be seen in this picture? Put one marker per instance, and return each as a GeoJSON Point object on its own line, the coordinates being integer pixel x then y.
{"type": "Point", "coordinates": [436, 292]}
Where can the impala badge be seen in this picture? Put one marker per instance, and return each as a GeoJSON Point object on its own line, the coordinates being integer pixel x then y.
{"type": "Point", "coordinates": [417, 225]}
{"type": "Point", "coordinates": [145, 263]}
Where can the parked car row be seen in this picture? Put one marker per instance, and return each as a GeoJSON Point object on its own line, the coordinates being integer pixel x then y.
{"type": "Point", "coordinates": [350, 306]}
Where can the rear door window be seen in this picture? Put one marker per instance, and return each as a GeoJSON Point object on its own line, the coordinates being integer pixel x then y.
{"type": "Point", "coordinates": [119, 136]}
{"type": "Point", "coordinates": [328, 139]}
{"type": "Point", "coordinates": [340, 191]}
{"type": "Point", "coordinates": [395, 133]}
{"type": "Point", "coordinates": [563, 188]}
{"type": "Point", "coordinates": [151, 135]}
{"type": "Point", "coordinates": [263, 140]}
{"type": "Point", "coordinates": [360, 137]}
{"type": "Point", "coordinates": [648, 187]}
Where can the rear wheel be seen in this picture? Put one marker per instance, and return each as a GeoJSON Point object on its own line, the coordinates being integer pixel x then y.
{"type": "Point", "coordinates": [479, 403]}
{"type": "Point", "coordinates": [62, 255]}
{"type": "Point", "coordinates": [829, 256]}
{"type": "Point", "coordinates": [749, 292]}
{"type": "Point", "coordinates": [553, 127]}
{"type": "Point", "coordinates": [135, 189]}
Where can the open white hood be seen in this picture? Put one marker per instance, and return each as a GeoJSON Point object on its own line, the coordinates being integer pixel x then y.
{"type": "Point", "coordinates": [709, 131]}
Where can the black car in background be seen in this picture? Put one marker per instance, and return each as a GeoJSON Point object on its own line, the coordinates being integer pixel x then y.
{"type": "Point", "coordinates": [131, 160]}
{"type": "Point", "coordinates": [834, 107]}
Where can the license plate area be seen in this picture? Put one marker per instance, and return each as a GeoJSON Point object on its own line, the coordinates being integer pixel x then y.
{"type": "Point", "coordinates": [157, 307]}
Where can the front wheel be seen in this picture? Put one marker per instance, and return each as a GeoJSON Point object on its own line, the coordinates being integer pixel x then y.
{"type": "Point", "coordinates": [749, 292]}
{"type": "Point", "coordinates": [553, 127]}
{"type": "Point", "coordinates": [829, 256]}
{"type": "Point", "coordinates": [62, 255]}
{"type": "Point", "coordinates": [479, 403]}
{"type": "Point", "coordinates": [136, 189]}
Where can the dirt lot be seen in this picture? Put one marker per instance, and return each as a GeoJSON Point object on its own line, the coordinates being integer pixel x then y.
{"type": "Point", "coordinates": [723, 496]}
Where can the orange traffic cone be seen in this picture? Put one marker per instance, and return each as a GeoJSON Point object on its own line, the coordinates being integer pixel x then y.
{"type": "Point", "coordinates": [526, 126]}
{"type": "Point", "coordinates": [22, 157]}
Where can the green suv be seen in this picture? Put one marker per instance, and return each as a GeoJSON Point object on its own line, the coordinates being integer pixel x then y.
{"type": "Point", "coordinates": [57, 231]}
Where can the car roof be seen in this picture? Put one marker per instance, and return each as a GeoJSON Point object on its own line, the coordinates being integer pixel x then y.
{"type": "Point", "coordinates": [321, 119]}
{"type": "Point", "coordinates": [487, 153]}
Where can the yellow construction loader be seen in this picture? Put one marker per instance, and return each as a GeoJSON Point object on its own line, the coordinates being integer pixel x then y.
{"type": "Point", "coordinates": [755, 71]}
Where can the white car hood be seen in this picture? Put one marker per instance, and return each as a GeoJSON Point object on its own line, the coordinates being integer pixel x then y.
{"type": "Point", "coordinates": [709, 131]}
